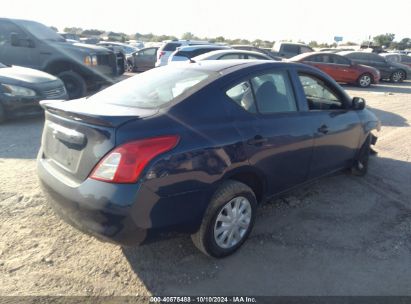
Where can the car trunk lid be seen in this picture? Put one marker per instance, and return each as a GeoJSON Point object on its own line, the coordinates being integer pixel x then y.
{"type": "Point", "coordinates": [77, 135]}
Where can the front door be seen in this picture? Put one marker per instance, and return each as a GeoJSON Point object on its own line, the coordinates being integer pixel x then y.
{"type": "Point", "coordinates": [338, 128]}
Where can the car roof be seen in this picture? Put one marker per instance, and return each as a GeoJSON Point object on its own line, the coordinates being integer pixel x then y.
{"type": "Point", "coordinates": [225, 66]}
{"type": "Point", "coordinates": [232, 51]}
{"type": "Point", "coordinates": [200, 46]}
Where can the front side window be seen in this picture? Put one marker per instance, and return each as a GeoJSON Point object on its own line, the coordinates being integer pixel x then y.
{"type": "Point", "coordinates": [242, 95]}
{"type": "Point", "coordinates": [6, 28]}
{"type": "Point", "coordinates": [274, 93]}
{"type": "Point", "coordinates": [40, 31]}
{"type": "Point", "coordinates": [319, 95]}
{"type": "Point", "coordinates": [148, 52]}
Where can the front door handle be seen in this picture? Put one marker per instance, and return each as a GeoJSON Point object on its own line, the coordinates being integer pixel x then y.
{"type": "Point", "coordinates": [258, 140]}
{"type": "Point", "coordinates": [323, 129]}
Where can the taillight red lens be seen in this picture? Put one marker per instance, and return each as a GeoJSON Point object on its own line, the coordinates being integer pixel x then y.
{"type": "Point", "coordinates": [125, 163]}
{"type": "Point", "coordinates": [161, 54]}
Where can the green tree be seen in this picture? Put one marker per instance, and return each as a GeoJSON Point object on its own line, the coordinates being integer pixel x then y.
{"type": "Point", "coordinates": [92, 32]}
{"type": "Point", "coordinates": [384, 39]}
{"type": "Point", "coordinates": [313, 44]}
{"type": "Point", "coordinates": [189, 36]}
{"type": "Point", "coordinates": [73, 30]}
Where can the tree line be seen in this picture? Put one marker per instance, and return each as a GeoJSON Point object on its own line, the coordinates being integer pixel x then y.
{"type": "Point", "coordinates": [384, 40]}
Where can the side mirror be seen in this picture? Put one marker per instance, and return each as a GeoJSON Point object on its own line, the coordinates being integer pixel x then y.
{"type": "Point", "coordinates": [358, 103]}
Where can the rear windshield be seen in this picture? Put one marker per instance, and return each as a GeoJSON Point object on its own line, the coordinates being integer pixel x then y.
{"type": "Point", "coordinates": [171, 46]}
{"type": "Point", "coordinates": [154, 88]}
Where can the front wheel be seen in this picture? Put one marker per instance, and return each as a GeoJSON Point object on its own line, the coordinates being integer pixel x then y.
{"type": "Point", "coordinates": [75, 84]}
{"type": "Point", "coordinates": [397, 76]}
{"type": "Point", "coordinates": [228, 220]}
{"type": "Point", "coordinates": [129, 66]}
{"type": "Point", "coordinates": [364, 81]}
{"type": "Point", "coordinates": [360, 166]}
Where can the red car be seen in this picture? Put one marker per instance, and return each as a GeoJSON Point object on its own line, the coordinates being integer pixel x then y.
{"type": "Point", "coordinates": [341, 68]}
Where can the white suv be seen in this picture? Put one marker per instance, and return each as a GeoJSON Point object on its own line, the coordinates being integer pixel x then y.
{"type": "Point", "coordinates": [185, 53]}
{"type": "Point", "coordinates": [170, 46]}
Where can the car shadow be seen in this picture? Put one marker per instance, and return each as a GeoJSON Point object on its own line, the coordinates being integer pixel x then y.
{"type": "Point", "coordinates": [389, 119]}
{"type": "Point", "coordinates": [20, 138]}
{"type": "Point", "coordinates": [310, 233]}
{"type": "Point", "coordinates": [384, 87]}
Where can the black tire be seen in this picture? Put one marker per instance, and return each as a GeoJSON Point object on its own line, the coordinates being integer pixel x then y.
{"type": "Point", "coordinates": [2, 114]}
{"type": "Point", "coordinates": [129, 66]}
{"type": "Point", "coordinates": [360, 166]}
{"type": "Point", "coordinates": [204, 238]}
{"type": "Point", "coordinates": [365, 80]}
{"type": "Point", "coordinates": [397, 76]}
{"type": "Point", "coordinates": [75, 84]}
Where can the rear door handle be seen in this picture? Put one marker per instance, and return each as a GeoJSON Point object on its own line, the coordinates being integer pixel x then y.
{"type": "Point", "coordinates": [258, 140]}
{"type": "Point", "coordinates": [323, 129]}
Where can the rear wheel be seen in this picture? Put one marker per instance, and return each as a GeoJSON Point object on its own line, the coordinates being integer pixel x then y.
{"type": "Point", "coordinates": [75, 84]}
{"type": "Point", "coordinates": [360, 166]}
{"type": "Point", "coordinates": [397, 76]}
{"type": "Point", "coordinates": [228, 220]}
{"type": "Point", "coordinates": [364, 80]}
{"type": "Point", "coordinates": [129, 66]}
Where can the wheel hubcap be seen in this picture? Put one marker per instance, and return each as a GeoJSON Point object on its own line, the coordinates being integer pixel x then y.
{"type": "Point", "coordinates": [365, 81]}
{"type": "Point", "coordinates": [397, 76]}
{"type": "Point", "coordinates": [232, 222]}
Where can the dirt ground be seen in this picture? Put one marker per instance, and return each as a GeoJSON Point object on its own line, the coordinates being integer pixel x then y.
{"type": "Point", "coordinates": [342, 235]}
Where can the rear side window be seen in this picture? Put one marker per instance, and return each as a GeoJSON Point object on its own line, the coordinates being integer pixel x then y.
{"type": "Point", "coordinates": [231, 56]}
{"type": "Point", "coordinates": [273, 93]}
{"type": "Point", "coordinates": [242, 95]}
{"type": "Point", "coordinates": [305, 49]}
{"type": "Point", "coordinates": [171, 46]}
{"type": "Point", "coordinates": [291, 48]}
{"type": "Point", "coordinates": [154, 88]}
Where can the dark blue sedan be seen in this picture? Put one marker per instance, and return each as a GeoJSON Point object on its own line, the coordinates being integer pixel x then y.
{"type": "Point", "coordinates": [195, 148]}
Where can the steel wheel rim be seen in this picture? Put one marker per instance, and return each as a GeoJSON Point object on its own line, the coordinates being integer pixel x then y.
{"type": "Point", "coordinates": [365, 81]}
{"type": "Point", "coordinates": [233, 222]}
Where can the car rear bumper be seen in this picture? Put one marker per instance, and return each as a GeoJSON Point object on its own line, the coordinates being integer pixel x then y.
{"type": "Point", "coordinates": [125, 214]}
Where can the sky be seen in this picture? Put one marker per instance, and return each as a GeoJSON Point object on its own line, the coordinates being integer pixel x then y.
{"type": "Point", "coordinates": [319, 20]}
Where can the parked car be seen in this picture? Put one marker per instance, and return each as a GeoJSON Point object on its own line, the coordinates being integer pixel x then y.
{"type": "Point", "coordinates": [170, 46]}
{"type": "Point", "coordinates": [34, 45]}
{"type": "Point", "coordinates": [288, 49]}
{"type": "Point", "coordinates": [340, 68]}
{"type": "Point", "coordinates": [21, 89]}
{"type": "Point", "coordinates": [398, 58]}
{"type": "Point", "coordinates": [124, 54]}
{"type": "Point", "coordinates": [191, 148]}
{"type": "Point", "coordinates": [232, 54]}
{"type": "Point", "coordinates": [70, 36]}
{"type": "Point", "coordinates": [267, 52]}
{"type": "Point", "coordinates": [144, 59]}
{"type": "Point", "coordinates": [392, 71]}
{"type": "Point", "coordinates": [185, 53]}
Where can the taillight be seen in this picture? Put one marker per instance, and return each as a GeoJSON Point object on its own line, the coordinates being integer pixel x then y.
{"type": "Point", "coordinates": [125, 163]}
{"type": "Point", "coordinates": [161, 54]}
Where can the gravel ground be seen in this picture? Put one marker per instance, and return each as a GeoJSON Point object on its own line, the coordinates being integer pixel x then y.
{"type": "Point", "coordinates": [342, 235]}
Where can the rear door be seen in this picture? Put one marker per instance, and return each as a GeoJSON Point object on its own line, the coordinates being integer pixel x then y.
{"type": "Point", "coordinates": [337, 128]}
{"type": "Point", "coordinates": [342, 68]}
{"type": "Point", "coordinates": [278, 140]}
{"type": "Point", "coordinates": [381, 64]}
